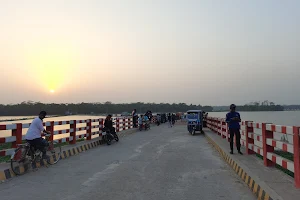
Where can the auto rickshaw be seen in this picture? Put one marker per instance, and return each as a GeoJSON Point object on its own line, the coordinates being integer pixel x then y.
{"type": "Point", "coordinates": [194, 121]}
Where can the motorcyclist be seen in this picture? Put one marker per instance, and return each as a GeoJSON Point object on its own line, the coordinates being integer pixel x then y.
{"type": "Point", "coordinates": [147, 122]}
{"type": "Point", "coordinates": [108, 124]}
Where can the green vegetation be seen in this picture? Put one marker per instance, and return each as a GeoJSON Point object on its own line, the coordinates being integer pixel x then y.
{"type": "Point", "coordinates": [33, 108]}
{"type": "Point", "coordinates": [253, 106]}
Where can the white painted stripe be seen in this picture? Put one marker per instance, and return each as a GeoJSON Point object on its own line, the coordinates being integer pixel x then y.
{"type": "Point", "coordinates": [9, 152]}
{"type": "Point", "coordinates": [25, 125]}
{"type": "Point", "coordinates": [55, 132]}
{"type": "Point", "coordinates": [290, 166]}
{"type": "Point", "coordinates": [269, 141]}
{"type": "Point", "coordinates": [10, 139]}
{"type": "Point", "coordinates": [290, 148]}
{"type": "Point", "coordinates": [48, 124]}
{"type": "Point", "coordinates": [11, 126]}
{"type": "Point", "coordinates": [269, 156]}
{"type": "Point", "coordinates": [289, 130]}
{"type": "Point", "coordinates": [269, 127]}
{"type": "Point", "coordinates": [250, 146]}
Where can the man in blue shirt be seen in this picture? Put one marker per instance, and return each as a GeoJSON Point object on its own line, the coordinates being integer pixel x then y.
{"type": "Point", "coordinates": [233, 120]}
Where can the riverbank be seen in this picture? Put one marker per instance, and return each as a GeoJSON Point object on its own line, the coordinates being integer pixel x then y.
{"type": "Point", "coordinates": [9, 119]}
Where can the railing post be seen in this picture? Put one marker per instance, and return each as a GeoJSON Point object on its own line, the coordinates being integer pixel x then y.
{"type": "Point", "coordinates": [296, 144]}
{"type": "Point", "coordinates": [117, 124]}
{"type": "Point", "coordinates": [227, 133]}
{"type": "Point", "coordinates": [248, 130]}
{"type": "Point", "coordinates": [18, 134]}
{"type": "Point", "coordinates": [223, 130]}
{"type": "Point", "coordinates": [267, 148]}
{"type": "Point", "coordinates": [100, 127]}
{"type": "Point", "coordinates": [124, 124]}
{"type": "Point", "coordinates": [129, 122]}
{"type": "Point", "coordinates": [73, 133]}
{"type": "Point", "coordinates": [89, 129]}
{"type": "Point", "coordinates": [219, 126]}
{"type": "Point", "coordinates": [51, 129]}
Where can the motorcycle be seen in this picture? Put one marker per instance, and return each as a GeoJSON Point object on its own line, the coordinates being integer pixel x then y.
{"type": "Point", "coordinates": [108, 137]}
{"type": "Point", "coordinates": [145, 126]}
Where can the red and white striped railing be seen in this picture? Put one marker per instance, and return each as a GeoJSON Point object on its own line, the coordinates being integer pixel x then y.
{"type": "Point", "coordinates": [263, 139]}
{"type": "Point", "coordinates": [62, 131]}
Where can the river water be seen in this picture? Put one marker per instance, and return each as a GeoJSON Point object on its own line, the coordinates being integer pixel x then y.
{"type": "Point", "coordinates": [289, 118]}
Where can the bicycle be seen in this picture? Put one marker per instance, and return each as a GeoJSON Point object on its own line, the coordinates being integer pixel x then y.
{"type": "Point", "coordinates": [26, 155]}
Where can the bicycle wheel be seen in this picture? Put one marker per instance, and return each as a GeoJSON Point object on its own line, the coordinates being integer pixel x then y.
{"type": "Point", "coordinates": [20, 161]}
{"type": "Point", "coordinates": [53, 152]}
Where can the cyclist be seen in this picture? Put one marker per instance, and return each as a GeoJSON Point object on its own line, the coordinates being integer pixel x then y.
{"type": "Point", "coordinates": [34, 134]}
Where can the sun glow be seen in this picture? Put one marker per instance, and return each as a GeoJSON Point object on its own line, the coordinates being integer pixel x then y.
{"type": "Point", "coordinates": [52, 64]}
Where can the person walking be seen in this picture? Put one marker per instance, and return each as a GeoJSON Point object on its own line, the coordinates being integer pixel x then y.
{"type": "Point", "coordinates": [233, 120]}
{"type": "Point", "coordinates": [170, 120]}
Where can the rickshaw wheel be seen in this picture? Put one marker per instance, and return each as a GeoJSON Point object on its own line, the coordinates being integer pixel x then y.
{"type": "Point", "coordinates": [193, 132]}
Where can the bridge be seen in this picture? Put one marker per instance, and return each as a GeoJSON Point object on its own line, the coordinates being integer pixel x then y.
{"type": "Point", "coordinates": [161, 163]}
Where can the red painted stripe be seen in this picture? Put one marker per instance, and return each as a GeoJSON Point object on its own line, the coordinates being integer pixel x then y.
{"type": "Point", "coordinates": [284, 164]}
{"type": "Point", "coordinates": [257, 125]}
{"type": "Point", "coordinates": [273, 143]}
{"type": "Point", "coordinates": [2, 153]}
{"type": "Point", "coordinates": [274, 159]}
{"type": "Point", "coordinates": [273, 128]}
{"type": "Point", "coordinates": [284, 147]}
{"type": "Point", "coordinates": [283, 129]}
{"type": "Point", "coordinates": [2, 127]}
{"type": "Point", "coordinates": [2, 140]}
{"type": "Point", "coordinates": [258, 151]}
{"type": "Point", "coordinates": [257, 138]}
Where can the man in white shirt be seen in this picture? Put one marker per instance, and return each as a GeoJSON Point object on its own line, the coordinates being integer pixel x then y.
{"type": "Point", "coordinates": [33, 135]}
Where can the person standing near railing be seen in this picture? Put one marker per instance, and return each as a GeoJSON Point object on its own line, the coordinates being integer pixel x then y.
{"type": "Point", "coordinates": [134, 118]}
{"type": "Point", "coordinates": [233, 119]}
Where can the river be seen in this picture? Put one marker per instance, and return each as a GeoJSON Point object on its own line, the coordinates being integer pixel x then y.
{"type": "Point", "coordinates": [289, 118]}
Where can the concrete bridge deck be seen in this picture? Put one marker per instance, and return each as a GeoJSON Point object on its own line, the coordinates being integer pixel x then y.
{"type": "Point", "coordinates": [163, 163]}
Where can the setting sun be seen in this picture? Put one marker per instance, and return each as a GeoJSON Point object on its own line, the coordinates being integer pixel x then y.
{"type": "Point", "coordinates": [52, 91]}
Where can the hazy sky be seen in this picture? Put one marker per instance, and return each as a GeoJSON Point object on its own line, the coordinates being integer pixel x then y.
{"type": "Point", "coordinates": [205, 52]}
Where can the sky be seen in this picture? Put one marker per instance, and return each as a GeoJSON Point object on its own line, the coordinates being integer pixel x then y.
{"type": "Point", "coordinates": [208, 52]}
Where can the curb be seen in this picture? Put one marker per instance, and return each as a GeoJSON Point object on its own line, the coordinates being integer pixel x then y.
{"type": "Point", "coordinates": [8, 173]}
{"type": "Point", "coordinates": [257, 189]}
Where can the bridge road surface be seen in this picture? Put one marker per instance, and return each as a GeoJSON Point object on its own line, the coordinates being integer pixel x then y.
{"type": "Point", "coordinates": [159, 164]}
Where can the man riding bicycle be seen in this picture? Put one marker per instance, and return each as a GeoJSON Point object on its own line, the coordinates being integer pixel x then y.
{"type": "Point", "coordinates": [34, 134]}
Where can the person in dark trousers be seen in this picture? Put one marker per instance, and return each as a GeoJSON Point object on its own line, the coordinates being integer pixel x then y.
{"type": "Point", "coordinates": [134, 118]}
{"type": "Point", "coordinates": [233, 119]}
{"type": "Point", "coordinates": [34, 134]}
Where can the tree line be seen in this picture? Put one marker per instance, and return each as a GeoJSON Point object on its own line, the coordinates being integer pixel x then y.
{"type": "Point", "coordinates": [255, 106]}
{"type": "Point", "coordinates": [33, 108]}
